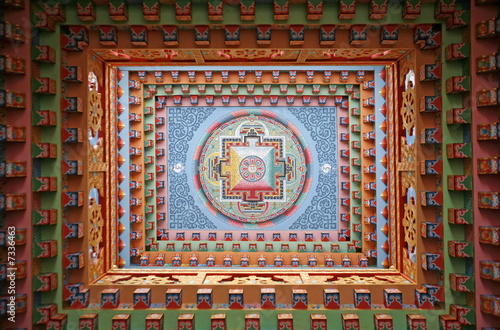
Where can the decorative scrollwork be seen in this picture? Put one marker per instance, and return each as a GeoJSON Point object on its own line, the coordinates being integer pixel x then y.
{"type": "Point", "coordinates": [113, 279]}
{"type": "Point", "coordinates": [383, 279]}
{"type": "Point", "coordinates": [96, 111]}
{"type": "Point", "coordinates": [289, 278]}
{"type": "Point", "coordinates": [136, 280]}
{"type": "Point", "coordinates": [214, 279]}
{"type": "Point", "coordinates": [252, 279]}
{"type": "Point", "coordinates": [321, 123]}
{"type": "Point", "coordinates": [409, 267]}
{"type": "Point", "coordinates": [189, 279]}
{"type": "Point", "coordinates": [408, 152]}
{"type": "Point", "coordinates": [96, 180]}
{"type": "Point", "coordinates": [96, 247]}
{"type": "Point", "coordinates": [96, 65]}
{"type": "Point", "coordinates": [353, 53]}
{"type": "Point", "coordinates": [406, 64]}
{"type": "Point", "coordinates": [149, 280]}
{"type": "Point", "coordinates": [96, 223]}
{"type": "Point", "coordinates": [408, 180]}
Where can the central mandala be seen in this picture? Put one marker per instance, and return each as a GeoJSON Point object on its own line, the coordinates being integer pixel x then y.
{"type": "Point", "coordinates": [252, 168]}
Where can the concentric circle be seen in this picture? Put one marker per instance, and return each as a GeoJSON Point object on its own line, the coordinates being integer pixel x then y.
{"type": "Point", "coordinates": [252, 169]}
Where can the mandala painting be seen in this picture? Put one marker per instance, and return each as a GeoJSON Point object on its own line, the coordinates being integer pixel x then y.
{"type": "Point", "coordinates": [253, 170]}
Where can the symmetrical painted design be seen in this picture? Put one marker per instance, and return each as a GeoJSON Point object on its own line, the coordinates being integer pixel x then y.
{"type": "Point", "coordinates": [252, 168]}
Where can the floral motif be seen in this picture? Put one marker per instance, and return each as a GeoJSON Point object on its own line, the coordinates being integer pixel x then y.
{"type": "Point", "coordinates": [252, 168]}
{"type": "Point", "coordinates": [95, 111]}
